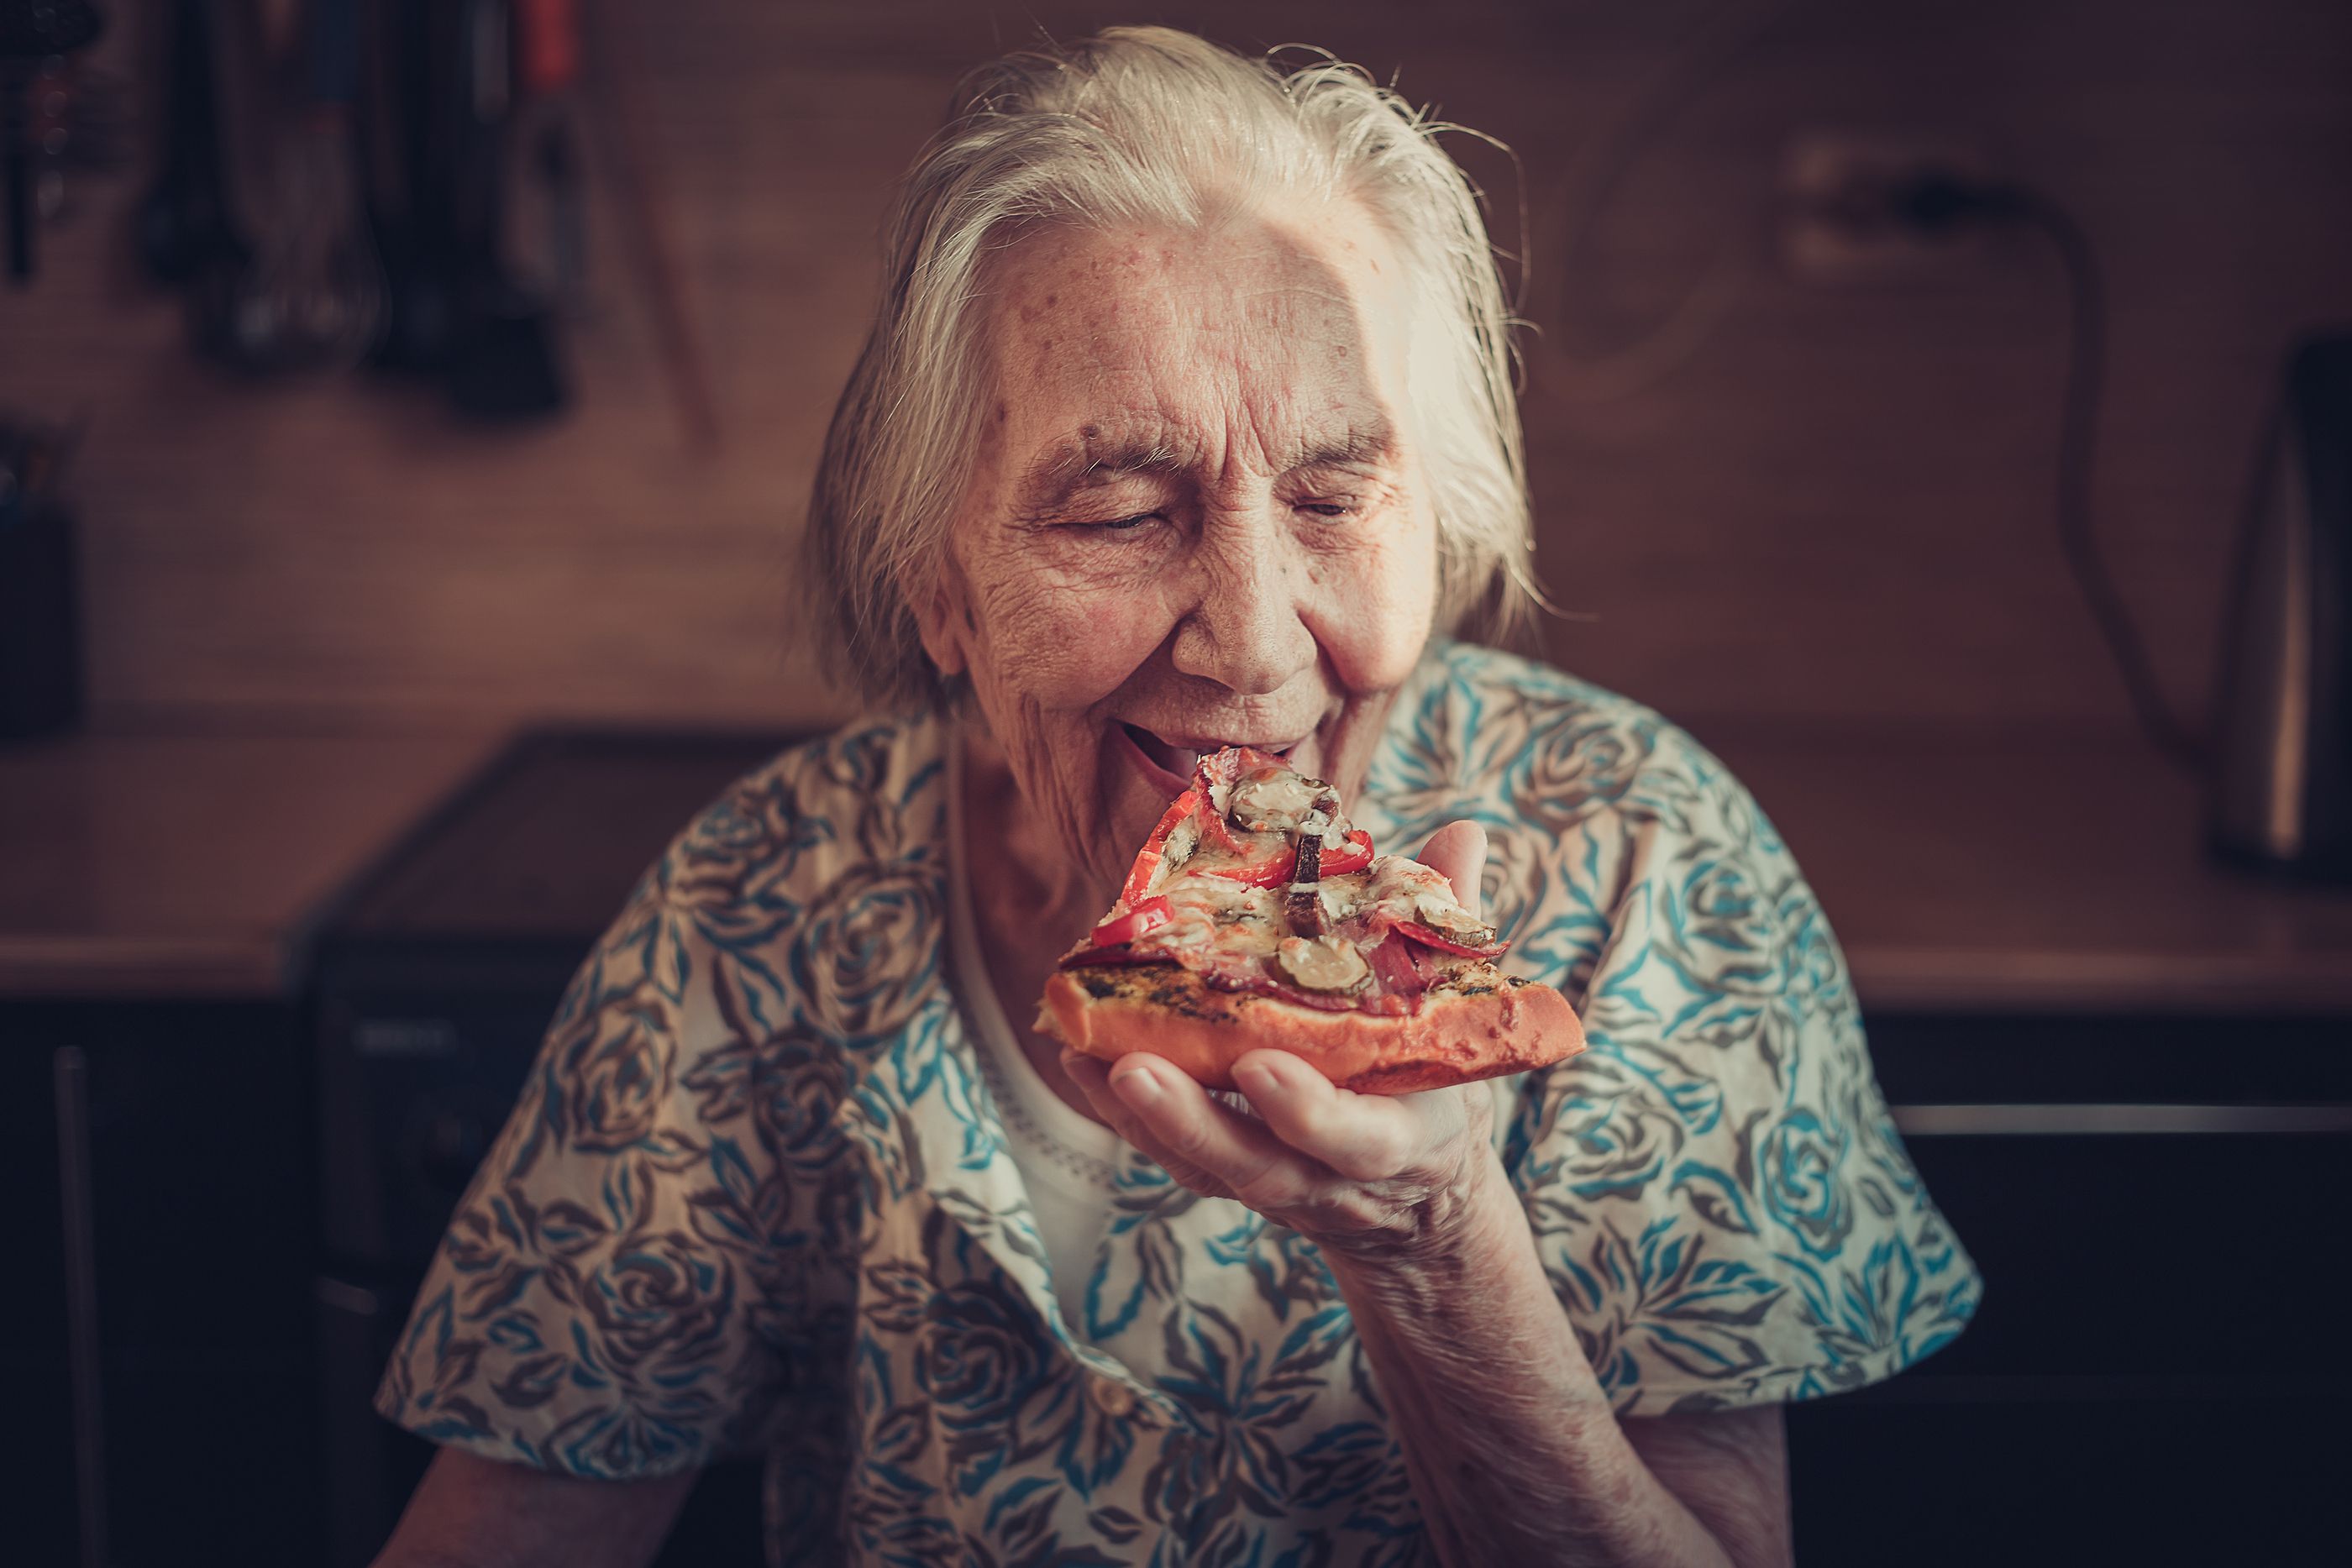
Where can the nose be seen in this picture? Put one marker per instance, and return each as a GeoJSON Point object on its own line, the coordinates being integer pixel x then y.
{"type": "Point", "coordinates": [1246, 630]}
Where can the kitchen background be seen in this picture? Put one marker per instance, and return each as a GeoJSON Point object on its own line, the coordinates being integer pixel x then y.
{"type": "Point", "coordinates": [1797, 477]}
{"type": "Point", "coordinates": [1819, 503]}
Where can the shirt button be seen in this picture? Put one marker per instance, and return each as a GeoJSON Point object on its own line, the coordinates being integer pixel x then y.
{"type": "Point", "coordinates": [1114, 1399]}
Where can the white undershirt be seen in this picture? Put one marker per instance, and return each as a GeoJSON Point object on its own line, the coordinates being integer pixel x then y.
{"type": "Point", "coordinates": [1066, 1160]}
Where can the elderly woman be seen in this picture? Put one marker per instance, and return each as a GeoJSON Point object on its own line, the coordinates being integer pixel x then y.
{"type": "Point", "coordinates": [1186, 419]}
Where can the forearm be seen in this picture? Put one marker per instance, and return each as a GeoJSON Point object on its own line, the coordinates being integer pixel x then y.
{"type": "Point", "coordinates": [1514, 1455]}
{"type": "Point", "coordinates": [469, 1512]}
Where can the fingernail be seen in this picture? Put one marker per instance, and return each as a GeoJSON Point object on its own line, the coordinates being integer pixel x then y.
{"type": "Point", "coordinates": [1256, 1077]}
{"type": "Point", "coordinates": [1138, 1084]}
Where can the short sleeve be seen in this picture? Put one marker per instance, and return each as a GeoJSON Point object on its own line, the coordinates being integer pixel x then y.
{"type": "Point", "coordinates": [643, 1269]}
{"type": "Point", "coordinates": [1714, 1186]}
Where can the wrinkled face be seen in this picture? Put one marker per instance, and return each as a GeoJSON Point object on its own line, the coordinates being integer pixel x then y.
{"type": "Point", "coordinates": [1199, 517]}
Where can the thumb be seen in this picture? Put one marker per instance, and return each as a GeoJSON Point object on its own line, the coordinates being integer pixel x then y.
{"type": "Point", "coordinates": [1458, 852]}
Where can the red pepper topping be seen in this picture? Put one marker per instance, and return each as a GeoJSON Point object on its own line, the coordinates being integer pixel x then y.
{"type": "Point", "coordinates": [1149, 916]}
{"type": "Point", "coordinates": [1147, 861]}
{"type": "Point", "coordinates": [1272, 872]}
{"type": "Point", "coordinates": [1353, 853]}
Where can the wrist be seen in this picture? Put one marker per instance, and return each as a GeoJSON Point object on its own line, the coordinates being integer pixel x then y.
{"type": "Point", "coordinates": [1460, 1233]}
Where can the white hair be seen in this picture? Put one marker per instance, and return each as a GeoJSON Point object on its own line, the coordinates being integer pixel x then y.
{"type": "Point", "coordinates": [1150, 125]}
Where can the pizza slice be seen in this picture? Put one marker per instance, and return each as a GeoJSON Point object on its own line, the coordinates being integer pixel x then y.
{"type": "Point", "coordinates": [1256, 916]}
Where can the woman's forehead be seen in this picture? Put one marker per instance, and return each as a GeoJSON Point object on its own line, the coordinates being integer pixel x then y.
{"type": "Point", "coordinates": [1124, 347]}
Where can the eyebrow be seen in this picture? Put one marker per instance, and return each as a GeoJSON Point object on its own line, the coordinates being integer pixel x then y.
{"type": "Point", "coordinates": [1073, 466]}
{"type": "Point", "coordinates": [1083, 462]}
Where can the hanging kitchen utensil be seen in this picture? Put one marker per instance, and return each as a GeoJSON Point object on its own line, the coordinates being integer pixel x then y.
{"type": "Point", "coordinates": [30, 32]}
{"type": "Point", "coordinates": [647, 235]}
{"type": "Point", "coordinates": [76, 128]}
{"type": "Point", "coordinates": [185, 227]}
{"type": "Point", "coordinates": [547, 37]}
{"type": "Point", "coordinates": [314, 299]}
{"type": "Point", "coordinates": [502, 365]}
{"type": "Point", "coordinates": [40, 599]}
{"type": "Point", "coordinates": [416, 114]}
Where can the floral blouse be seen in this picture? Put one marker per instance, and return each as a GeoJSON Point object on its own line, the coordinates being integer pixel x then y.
{"type": "Point", "coordinates": [756, 1194]}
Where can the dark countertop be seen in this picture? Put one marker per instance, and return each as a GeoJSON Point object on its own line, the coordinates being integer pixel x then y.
{"type": "Point", "coordinates": [2014, 874]}
{"type": "Point", "coordinates": [191, 864]}
{"type": "Point", "coordinates": [2003, 874]}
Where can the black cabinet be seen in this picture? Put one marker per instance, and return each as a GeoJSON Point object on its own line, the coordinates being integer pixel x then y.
{"type": "Point", "coordinates": [2156, 1374]}
{"type": "Point", "coordinates": [160, 1349]}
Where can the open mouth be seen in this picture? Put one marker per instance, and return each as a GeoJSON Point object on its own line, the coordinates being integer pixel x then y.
{"type": "Point", "coordinates": [1177, 760]}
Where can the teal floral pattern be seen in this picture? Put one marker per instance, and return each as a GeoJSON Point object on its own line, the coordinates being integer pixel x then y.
{"type": "Point", "coordinates": [756, 1196]}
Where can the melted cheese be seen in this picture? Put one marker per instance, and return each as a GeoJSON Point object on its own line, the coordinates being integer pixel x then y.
{"type": "Point", "coordinates": [1219, 925]}
{"type": "Point", "coordinates": [1273, 802]}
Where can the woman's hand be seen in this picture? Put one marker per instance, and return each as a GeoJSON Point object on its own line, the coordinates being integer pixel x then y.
{"type": "Point", "coordinates": [1505, 1430]}
{"type": "Point", "coordinates": [1378, 1177]}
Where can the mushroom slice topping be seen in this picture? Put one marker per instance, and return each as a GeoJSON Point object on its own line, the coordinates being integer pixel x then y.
{"type": "Point", "coordinates": [1322, 963]}
{"type": "Point", "coordinates": [1441, 914]}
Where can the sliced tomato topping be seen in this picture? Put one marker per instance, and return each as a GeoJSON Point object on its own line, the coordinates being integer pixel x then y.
{"type": "Point", "coordinates": [1148, 915]}
{"type": "Point", "coordinates": [1147, 860]}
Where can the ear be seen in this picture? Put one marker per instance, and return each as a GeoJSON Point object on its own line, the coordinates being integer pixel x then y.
{"type": "Point", "coordinates": [943, 619]}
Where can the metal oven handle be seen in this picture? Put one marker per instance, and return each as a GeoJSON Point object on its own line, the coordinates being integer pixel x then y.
{"type": "Point", "coordinates": [2071, 1121]}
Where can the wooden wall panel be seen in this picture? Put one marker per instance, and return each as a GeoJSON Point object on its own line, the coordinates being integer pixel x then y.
{"type": "Point", "coordinates": [1834, 509]}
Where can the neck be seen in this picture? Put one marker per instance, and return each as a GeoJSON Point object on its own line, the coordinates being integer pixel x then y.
{"type": "Point", "coordinates": [1029, 902]}
{"type": "Point", "coordinates": [1031, 897]}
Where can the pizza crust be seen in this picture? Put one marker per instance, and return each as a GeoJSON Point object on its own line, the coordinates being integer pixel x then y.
{"type": "Point", "coordinates": [1460, 1035]}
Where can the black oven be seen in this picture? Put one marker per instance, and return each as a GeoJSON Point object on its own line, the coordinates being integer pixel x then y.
{"type": "Point", "coordinates": [2157, 1371]}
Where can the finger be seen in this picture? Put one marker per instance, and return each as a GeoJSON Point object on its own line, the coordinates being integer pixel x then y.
{"type": "Point", "coordinates": [1364, 1137]}
{"type": "Point", "coordinates": [1092, 1077]}
{"type": "Point", "coordinates": [1163, 1112]}
{"type": "Point", "coordinates": [1458, 850]}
